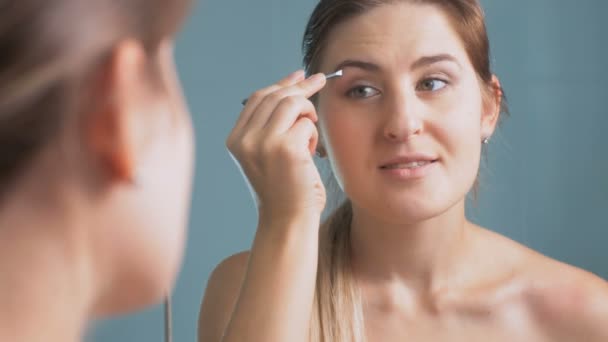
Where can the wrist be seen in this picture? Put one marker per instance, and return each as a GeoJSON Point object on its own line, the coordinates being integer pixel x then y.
{"type": "Point", "coordinates": [288, 229]}
{"type": "Point", "coordinates": [289, 219]}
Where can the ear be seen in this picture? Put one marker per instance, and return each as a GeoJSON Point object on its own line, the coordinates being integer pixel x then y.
{"type": "Point", "coordinates": [112, 131]}
{"type": "Point", "coordinates": [491, 109]}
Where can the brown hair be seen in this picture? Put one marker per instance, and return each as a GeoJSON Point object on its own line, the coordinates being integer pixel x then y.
{"type": "Point", "coordinates": [49, 48]}
{"type": "Point", "coordinates": [338, 313]}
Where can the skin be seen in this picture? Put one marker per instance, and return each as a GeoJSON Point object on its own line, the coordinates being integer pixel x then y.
{"type": "Point", "coordinates": [426, 273]}
{"type": "Point", "coordinates": [87, 230]}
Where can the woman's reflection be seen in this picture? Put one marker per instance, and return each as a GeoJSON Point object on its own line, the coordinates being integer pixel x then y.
{"type": "Point", "coordinates": [403, 130]}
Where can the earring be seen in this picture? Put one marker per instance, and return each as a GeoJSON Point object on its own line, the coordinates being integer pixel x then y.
{"type": "Point", "coordinates": [485, 141]}
{"type": "Point", "coordinates": [320, 152]}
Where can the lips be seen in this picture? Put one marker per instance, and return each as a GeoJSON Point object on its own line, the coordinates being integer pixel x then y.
{"type": "Point", "coordinates": [411, 165]}
{"type": "Point", "coordinates": [408, 162]}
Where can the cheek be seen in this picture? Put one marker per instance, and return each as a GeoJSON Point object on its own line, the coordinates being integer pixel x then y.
{"type": "Point", "coordinates": [459, 134]}
{"type": "Point", "coordinates": [166, 183]}
{"type": "Point", "coordinates": [149, 218]}
{"type": "Point", "coordinates": [178, 163]}
{"type": "Point", "coordinates": [346, 137]}
{"type": "Point", "coordinates": [459, 121]}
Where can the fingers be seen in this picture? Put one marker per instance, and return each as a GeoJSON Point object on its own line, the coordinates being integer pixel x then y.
{"type": "Point", "coordinates": [267, 106]}
{"type": "Point", "coordinates": [272, 111]}
{"type": "Point", "coordinates": [305, 130]}
{"type": "Point", "coordinates": [254, 100]}
{"type": "Point", "coordinates": [288, 111]}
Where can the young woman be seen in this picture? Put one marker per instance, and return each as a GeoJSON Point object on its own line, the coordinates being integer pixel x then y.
{"type": "Point", "coordinates": [96, 154]}
{"type": "Point", "coordinates": [403, 129]}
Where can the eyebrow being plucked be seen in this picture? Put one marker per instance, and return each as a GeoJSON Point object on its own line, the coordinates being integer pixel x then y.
{"type": "Point", "coordinates": [353, 63]}
{"type": "Point", "coordinates": [419, 63]}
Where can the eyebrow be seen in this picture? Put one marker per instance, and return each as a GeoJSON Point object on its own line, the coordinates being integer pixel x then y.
{"type": "Point", "coordinates": [368, 66]}
{"type": "Point", "coordinates": [428, 60]}
{"type": "Point", "coordinates": [419, 63]}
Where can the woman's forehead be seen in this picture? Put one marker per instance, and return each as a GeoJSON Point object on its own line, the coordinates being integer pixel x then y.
{"type": "Point", "coordinates": [399, 33]}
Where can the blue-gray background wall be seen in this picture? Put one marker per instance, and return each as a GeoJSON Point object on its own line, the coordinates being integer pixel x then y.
{"type": "Point", "coordinates": [545, 182]}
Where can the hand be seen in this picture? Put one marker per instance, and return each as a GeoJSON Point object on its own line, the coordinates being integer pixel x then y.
{"type": "Point", "coordinates": [273, 142]}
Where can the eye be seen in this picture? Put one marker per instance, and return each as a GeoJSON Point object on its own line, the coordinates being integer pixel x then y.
{"type": "Point", "coordinates": [431, 84]}
{"type": "Point", "coordinates": [362, 92]}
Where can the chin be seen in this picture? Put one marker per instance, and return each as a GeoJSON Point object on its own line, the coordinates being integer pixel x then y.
{"type": "Point", "coordinates": [412, 213]}
{"type": "Point", "coordinates": [135, 292]}
{"type": "Point", "coordinates": [411, 206]}
{"type": "Point", "coordinates": [143, 276]}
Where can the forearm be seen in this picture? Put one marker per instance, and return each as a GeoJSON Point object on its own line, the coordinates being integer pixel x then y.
{"type": "Point", "coordinates": [276, 299]}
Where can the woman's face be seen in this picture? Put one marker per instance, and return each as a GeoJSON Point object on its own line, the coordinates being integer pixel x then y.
{"type": "Point", "coordinates": [403, 127]}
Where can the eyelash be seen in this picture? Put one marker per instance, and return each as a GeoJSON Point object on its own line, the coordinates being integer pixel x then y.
{"type": "Point", "coordinates": [434, 79]}
{"type": "Point", "coordinates": [351, 91]}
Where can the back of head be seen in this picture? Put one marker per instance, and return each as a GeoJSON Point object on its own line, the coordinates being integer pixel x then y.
{"type": "Point", "coordinates": [67, 66]}
{"type": "Point", "coordinates": [49, 48]}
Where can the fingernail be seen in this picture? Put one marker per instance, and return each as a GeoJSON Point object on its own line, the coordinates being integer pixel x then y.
{"type": "Point", "coordinates": [317, 78]}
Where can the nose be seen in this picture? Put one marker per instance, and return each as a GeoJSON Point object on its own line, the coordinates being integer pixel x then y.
{"type": "Point", "coordinates": [404, 118]}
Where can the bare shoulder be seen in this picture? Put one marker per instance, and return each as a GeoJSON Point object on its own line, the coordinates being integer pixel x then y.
{"type": "Point", "coordinates": [220, 297]}
{"type": "Point", "coordinates": [568, 303]}
{"type": "Point", "coordinates": [560, 302]}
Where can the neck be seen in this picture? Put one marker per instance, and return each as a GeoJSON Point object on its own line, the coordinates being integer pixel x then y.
{"type": "Point", "coordinates": [424, 254]}
{"type": "Point", "coordinates": [44, 271]}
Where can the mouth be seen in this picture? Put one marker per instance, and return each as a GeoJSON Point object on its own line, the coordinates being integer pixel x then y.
{"type": "Point", "coordinates": [408, 165]}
